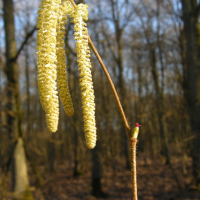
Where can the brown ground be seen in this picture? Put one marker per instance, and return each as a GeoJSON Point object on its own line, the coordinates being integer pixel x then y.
{"type": "Point", "coordinates": [155, 182]}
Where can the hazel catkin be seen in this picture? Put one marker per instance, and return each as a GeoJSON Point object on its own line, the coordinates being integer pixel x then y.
{"type": "Point", "coordinates": [80, 15]}
{"type": "Point", "coordinates": [47, 69]}
{"type": "Point", "coordinates": [63, 86]}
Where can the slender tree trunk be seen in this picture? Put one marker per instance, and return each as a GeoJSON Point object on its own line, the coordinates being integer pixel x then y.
{"type": "Point", "coordinates": [76, 173]}
{"type": "Point", "coordinates": [96, 173]}
{"type": "Point", "coordinates": [51, 150]}
{"type": "Point", "coordinates": [14, 114]}
{"type": "Point", "coordinates": [28, 131]}
{"type": "Point", "coordinates": [192, 78]}
{"type": "Point", "coordinates": [160, 104]}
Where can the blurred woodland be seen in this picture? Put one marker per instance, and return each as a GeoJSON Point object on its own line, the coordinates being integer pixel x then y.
{"type": "Point", "coordinates": [151, 49]}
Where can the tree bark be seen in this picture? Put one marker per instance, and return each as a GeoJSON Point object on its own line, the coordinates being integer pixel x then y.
{"type": "Point", "coordinates": [190, 16]}
{"type": "Point", "coordinates": [96, 173]}
{"type": "Point", "coordinates": [13, 107]}
{"type": "Point", "coordinates": [21, 176]}
{"type": "Point", "coordinates": [28, 113]}
{"type": "Point", "coordinates": [51, 151]}
{"type": "Point", "coordinates": [76, 172]}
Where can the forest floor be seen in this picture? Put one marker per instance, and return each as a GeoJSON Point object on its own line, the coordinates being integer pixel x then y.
{"type": "Point", "coordinates": [155, 182]}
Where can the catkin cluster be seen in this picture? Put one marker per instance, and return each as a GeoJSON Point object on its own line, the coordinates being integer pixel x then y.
{"type": "Point", "coordinates": [52, 17]}
{"type": "Point", "coordinates": [80, 15]}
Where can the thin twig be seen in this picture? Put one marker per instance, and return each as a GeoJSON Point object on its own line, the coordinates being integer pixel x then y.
{"type": "Point", "coordinates": [111, 84]}
{"type": "Point", "coordinates": [110, 81]}
{"type": "Point", "coordinates": [133, 143]}
{"type": "Point", "coordinates": [73, 3]}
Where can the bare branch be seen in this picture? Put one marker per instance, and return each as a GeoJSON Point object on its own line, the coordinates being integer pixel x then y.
{"type": "Point", "coordinates": [24, 43]}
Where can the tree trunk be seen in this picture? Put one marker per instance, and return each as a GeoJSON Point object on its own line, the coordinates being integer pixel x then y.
{"type": "Point", "coordinates": [51, 151]}
{"type": "Point", "coordinates": [28, 113]}
{"type": "Point", "coordinates": [96, 173]}
{"type": "Point", "coordinates": [190, 16]}
{"type": "Point", "coordinates": [19, 161]}
{"type": "Point", "coordinates": [160, 104]}
{"type": "Point", "coordinates": [13, 107]}
{"type": "Point", "coordinates": [76, 172]}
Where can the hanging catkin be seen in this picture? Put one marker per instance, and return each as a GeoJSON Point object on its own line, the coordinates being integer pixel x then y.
{"type": "Point", "coordinates": [63, 87]}
{"type": "Point", "coordinates": [47, 70]}
{"type": "Point", "coordinates": [80, 15]}
{"type": "Point", "coordinates": [40, 53]}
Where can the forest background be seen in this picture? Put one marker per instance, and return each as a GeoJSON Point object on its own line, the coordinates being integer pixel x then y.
{"type": "Point", "coordinates": [151, 49]}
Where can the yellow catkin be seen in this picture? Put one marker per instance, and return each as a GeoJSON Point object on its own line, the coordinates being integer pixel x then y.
{"type": "Point", "coordinates": [47, 69]}
{"type": "Point", "coordinates": [80, 15]}
{"type": "Point", "coordinates": [63, 87]}
{"type": "Point", "coordinates": [40, 53]}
